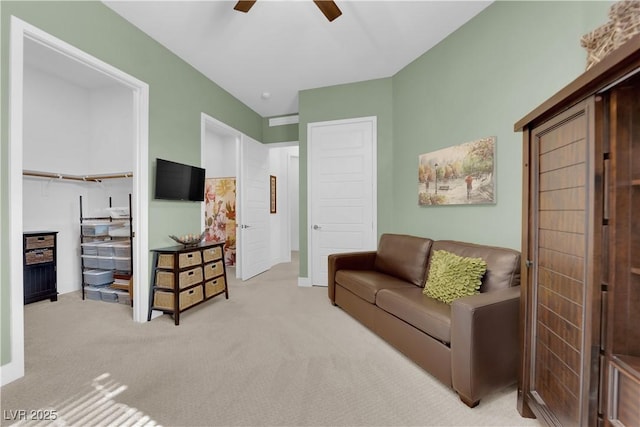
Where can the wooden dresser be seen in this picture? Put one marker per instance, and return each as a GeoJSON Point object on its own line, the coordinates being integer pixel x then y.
{"type": "Point", "coordinates": [580, 305]}
{"type": "Point", "coordinates": [185, 276]}
{"type": "Point", "coordinates": [39, 266]}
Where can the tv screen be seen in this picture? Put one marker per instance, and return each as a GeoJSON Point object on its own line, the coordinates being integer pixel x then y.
{"type": "Point", "coordinates": [176, 181]}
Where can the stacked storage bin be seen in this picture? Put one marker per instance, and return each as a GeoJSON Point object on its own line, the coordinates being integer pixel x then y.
{"type": "Point", "coordinates": [106, 254]}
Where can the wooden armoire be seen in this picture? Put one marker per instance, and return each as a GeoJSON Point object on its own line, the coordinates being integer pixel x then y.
{"type": "Point", "coordinates": [580, 305]}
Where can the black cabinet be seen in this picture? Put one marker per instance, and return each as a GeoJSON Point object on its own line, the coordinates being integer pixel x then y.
{"type": "Point", "coordinates": [39, 261]}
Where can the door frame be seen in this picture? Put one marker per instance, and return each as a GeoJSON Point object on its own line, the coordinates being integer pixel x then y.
{"type": "Point", "coordinates": [373, 120]}
{"type": "Point", "coordinates": [208, 122]}
{"type": "Point", "coordinates": [140, 90]}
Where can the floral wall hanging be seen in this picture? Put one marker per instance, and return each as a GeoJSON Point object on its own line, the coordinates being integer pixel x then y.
{"type": "Point", "coordinates": [220, 215]}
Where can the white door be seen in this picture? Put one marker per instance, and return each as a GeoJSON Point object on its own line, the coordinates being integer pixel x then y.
{"type": "Point", "coordinates": [253, 212]}
{"type": "Point", "coordinates": [342, 190]}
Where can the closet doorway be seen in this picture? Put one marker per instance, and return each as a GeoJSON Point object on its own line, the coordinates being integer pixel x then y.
{"type": "Point", "coordinates": [39, 58]}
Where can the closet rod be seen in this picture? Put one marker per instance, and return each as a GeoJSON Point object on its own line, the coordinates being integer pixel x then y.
{"type": "Point", "coordinates": [94, 178]}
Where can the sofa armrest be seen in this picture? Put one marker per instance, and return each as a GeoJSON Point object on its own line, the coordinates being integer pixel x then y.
{"type": "Point", "coordinates": [484, 343]}
{"type": "Point", "coordinates": [347, 261]}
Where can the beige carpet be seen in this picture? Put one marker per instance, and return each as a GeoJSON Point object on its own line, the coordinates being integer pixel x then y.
{"type": "Point", "coordinates": [273, 354]}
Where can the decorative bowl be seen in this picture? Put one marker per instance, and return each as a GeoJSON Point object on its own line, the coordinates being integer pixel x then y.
{"type": "Point", "coordinates": [189, 239]}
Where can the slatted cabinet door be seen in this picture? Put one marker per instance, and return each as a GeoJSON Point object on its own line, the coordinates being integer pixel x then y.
{"type": "Point", "coordinates": [562, 176]}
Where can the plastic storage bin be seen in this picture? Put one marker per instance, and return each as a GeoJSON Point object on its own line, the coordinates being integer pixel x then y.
{"type": "Point", "coordinates": [90, 261]}
{"type": "Point", "coordinates": [106, 263]}
{"type": "Point", "coordinates": [106, 249]}
{"type": "Point", "coordinates": [123, 297]}
{"type": "Point", "coordinates": [119, 230]}
{"type": "Point", "coordinates": [92, 292]}
{"type": "Point", "coordinates": [109, 295]}
{"type": "Point", "coordinates": [122, 264]}
{"type": "Point", "coordinates": [122, 250]}
{"type": "Point", "coordinates": [95, 229]}
{"type": "Point", "coordinates": [98, 277]}
{"type": "Point", "coordinates": [90, 248]}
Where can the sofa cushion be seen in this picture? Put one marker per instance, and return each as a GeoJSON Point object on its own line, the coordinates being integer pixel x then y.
{"type": "Point", "coordinates": [431, 316]}
{"type": "Point", "coordinates": [366, 283]}
{"type": "Point", "coordinates": [404, 257]}
{"type": "Point", "coordinates": [452, 276]}
{"type": "Point", "coordinates": [503, 264]}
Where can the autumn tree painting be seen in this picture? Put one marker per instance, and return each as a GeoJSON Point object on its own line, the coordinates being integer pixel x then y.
{"type": "Point", "coordinates": [458, 175]}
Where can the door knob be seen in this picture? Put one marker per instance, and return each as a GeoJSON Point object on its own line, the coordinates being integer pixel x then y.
{"type": "Point", "coordinates": [316, 227]}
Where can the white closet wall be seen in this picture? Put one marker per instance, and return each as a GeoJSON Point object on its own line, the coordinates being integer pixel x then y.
{"type": "Point", "coordinates": [220, 155]}
{"type": "Point", "coordinates": [73, 130]}
{"type": "Point", "coordinates": [111, 130]}
{"type": "Point", "coordinates": [56, 124]}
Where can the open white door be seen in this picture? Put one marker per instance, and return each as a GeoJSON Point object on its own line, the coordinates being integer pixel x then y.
{"type": "Point", "coordinates": [253, 214]}
{"type": "Point", "coordinates": [342, 190]}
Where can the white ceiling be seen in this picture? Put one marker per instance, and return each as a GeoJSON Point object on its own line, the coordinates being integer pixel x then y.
{"type": "Point", "coordinates": [282, 47]}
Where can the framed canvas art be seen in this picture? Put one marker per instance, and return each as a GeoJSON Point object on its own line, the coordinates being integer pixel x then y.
{"type": "Point", "coordinates": [459, 175]}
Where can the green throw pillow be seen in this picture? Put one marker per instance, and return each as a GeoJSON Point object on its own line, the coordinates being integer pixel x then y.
{"type": "Point", "coordinates": [452, 276]}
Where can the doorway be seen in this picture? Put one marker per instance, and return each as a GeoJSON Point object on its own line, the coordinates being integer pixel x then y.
{"type": "Point", "coordinates": [342, 208]}
{"type": "Point", "coordinates": [264, 235]}
{"type": "Point", "coordinates": [21, 33]}
{"type": "Point", "coordinates": [252, 191]}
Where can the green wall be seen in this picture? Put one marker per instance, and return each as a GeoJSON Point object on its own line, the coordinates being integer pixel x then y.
{"type": "Point", "coordinates": [282, 133]}
{"type": "Point", "coordinates": [477, 82]}
{"type": "Point", "coordinates": [178, 94]}
{"type": "Point", "coordinates": [369, 98]}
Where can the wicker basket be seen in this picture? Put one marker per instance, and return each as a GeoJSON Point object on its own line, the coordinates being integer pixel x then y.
{"type": "Point", "coordinates": [598, 43]}
{"type": "Point", "coordinates": [624, 23]}
{"type": "Point", "coordinates": [626, 16]}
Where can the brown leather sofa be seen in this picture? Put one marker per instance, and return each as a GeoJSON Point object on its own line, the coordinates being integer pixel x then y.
{"type": "Point", "coordinates": [470, 345]}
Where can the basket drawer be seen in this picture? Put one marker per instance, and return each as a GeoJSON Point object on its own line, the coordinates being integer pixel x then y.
{"type": "Point", "coordinates": [165, 261]}
{"type": "Point", "coordinates": [189, 258]}
{"type": "Point", "coordinates": [212, 270]}
{"type": "Point", "coordinates": [184, 260]}
{"type": "Point", "coordinates": [164, 300]}
{"type": "Point", "coordinates": [164, 279]}
{"type": "Point", "coordinates": [37, 242]}
{"type": "Point", "coordinates": [214, 287]}
{"type": "Point", "coordinates": [39, 256]}
{"type": "Point", "coordinates": [212, 254]}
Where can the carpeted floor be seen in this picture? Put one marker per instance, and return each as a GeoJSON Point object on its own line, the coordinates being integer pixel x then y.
{"type": "Point", "coordinates": [273, 354]}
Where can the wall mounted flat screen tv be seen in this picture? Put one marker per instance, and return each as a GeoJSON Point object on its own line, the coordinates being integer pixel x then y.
{"type": "Point", "coordinates": [177, 181]}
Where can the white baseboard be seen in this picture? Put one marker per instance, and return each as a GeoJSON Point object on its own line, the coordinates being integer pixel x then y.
{"type": "Point", "coordinates": [304, 282]}
{"type": "Point", "coordinates": [10, 372]}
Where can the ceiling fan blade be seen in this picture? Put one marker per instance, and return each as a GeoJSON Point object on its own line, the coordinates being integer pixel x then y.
{"type": "Point", "coordinates": [329, 8]}
{"type": "Point", "coordinates": [244, 5]}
